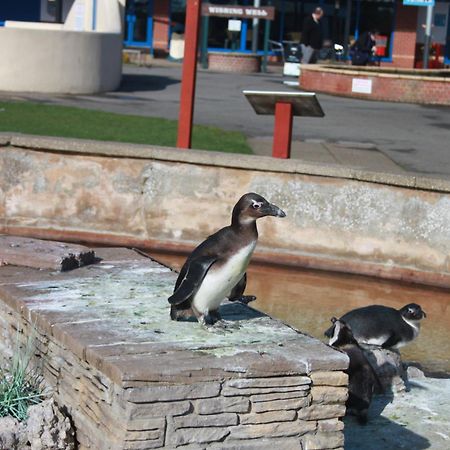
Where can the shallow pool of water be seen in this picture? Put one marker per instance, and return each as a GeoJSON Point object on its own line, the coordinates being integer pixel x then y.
{"type": "Point", "coordinates": [307, 300]}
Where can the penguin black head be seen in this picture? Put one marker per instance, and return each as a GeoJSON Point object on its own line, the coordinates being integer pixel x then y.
{"type": "Point", "coordinates": [253, 206]}
{"type": "Point", "coordinates": [412, 311]}
{"type": "Point", "coordinates": [341, 334]}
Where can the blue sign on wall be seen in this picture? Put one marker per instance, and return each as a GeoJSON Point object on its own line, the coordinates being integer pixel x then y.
{"type": "Point", "coordinates": [418, 2]}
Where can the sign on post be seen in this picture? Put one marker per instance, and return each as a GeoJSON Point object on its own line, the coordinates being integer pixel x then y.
{"type": "Point", "coordinates": [284, 105]}
{"type": "Point", "coordinates": [240, 12]}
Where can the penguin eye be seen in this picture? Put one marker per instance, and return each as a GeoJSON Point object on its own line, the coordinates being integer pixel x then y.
{"type": "Point", "coordinates": [256, 205]}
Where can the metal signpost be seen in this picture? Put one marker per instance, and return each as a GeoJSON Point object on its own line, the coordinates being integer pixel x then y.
{"type": "Point", "coordinates": [430, 7]}
{"type": "Point", "coordinates": [284, 105]}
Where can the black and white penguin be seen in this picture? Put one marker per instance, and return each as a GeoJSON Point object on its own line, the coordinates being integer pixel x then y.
{"type": "Point", "coordinates": [362, 379]}
{"type": "Point", "coordinates": [384, 326]}
{"type": "Point", "coordinates": [216, 269]}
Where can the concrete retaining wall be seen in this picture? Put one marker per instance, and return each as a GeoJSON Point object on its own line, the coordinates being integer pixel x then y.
{"type": "Point", "coordinates": [394, 226]}
{"type": "Point", "coordinates": [59, 61]}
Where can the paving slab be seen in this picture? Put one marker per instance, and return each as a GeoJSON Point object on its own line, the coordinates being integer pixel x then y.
{"type": "Point", "coordinates": [414, 420]}
{"type": "Point", "coordinates": [21, 251]}
{"type": "Point", "coordinates": [345, 154]}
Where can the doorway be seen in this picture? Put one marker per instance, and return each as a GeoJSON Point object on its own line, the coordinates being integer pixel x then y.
{"type": "Point", "coordinates": [139, 24]}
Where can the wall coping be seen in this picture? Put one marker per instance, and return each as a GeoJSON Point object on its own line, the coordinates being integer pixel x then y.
{"type": "Point", "coordinates": [218, 159]}
{"type": "Point", "coordinates": [237, 53]}
{"type": "Point", "coordinates": [417, 74]}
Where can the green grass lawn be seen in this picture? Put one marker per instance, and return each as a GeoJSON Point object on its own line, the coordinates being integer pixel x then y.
{"type": "Point", "coordinates": [52, 120]}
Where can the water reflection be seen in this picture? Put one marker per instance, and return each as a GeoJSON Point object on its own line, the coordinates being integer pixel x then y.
{"type": "Point", "coordinates": [308, 299]}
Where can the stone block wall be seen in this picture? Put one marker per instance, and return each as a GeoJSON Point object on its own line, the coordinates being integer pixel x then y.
{"type": "Point", "coordinates": [131, 379]}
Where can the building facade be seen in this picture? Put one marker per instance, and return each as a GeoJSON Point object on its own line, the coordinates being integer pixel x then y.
{"type": "Point", "coordinates": [149, 24]}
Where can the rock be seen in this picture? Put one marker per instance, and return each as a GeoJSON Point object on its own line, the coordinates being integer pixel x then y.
{"type": "Point", "coordinates": [221, 404]}
{"type": "Point", "coordinates": [389, 368]}
{"type": "Point", "coordinates": [197, 421]}
{"type": "Point", "coordinates": [329, 394]}
{"type": "Point", "coordinates": [322, 440]}
{"type": "Point", "coordinates": [47, 428]}
{"type": "Point", "coordinates": [173, 392]}
{"type": "Point", "coordinates": [414, 372]}
{"type": "Point", "coordinates": [268, 417]}
{"type": "Point", "coordinates": [328, 425]}
{"type": "Point", "coordinates": [281, 405]}
{"type": "Point", "coordinates": [318, 412]}
{"type": "Point", "coordinates": [10, 429]}
{"type": "Point", "coordinates": [328, 378]}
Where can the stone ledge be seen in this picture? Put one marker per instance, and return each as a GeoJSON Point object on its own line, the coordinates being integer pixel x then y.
{"type": "Point", "coordinates": [200, 157]}
{"type": "Point", "coordinates": [133, 379]}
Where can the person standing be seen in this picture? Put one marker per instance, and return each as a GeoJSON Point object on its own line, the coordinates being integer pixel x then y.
{"type": "Point", "coordinates": [363, 49]}
{"type": "Point", "coordinates": [312, 37]}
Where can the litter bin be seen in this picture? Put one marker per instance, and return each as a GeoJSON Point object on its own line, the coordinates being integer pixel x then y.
{"type": "Point", "coordinates": [176, 47]}
{"type": "Point", "coordinates": [292, 58]}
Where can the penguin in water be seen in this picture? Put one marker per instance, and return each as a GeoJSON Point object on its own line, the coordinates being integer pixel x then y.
{"type": "Point", "coordinates": [362, 379]}
{"type": "Point", "coordinates": [384, 326]}
{"type": "Point", "coordinates": [216, 269]}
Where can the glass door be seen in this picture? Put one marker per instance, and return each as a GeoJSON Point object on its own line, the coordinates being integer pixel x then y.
{"type": "Point", "coordinates": [139, 23]}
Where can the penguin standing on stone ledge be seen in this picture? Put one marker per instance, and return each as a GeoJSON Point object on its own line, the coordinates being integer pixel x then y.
{"type": "Point", "coordinates": [216, 269]}
{"type": "Point", "coordinates": [384, 326]}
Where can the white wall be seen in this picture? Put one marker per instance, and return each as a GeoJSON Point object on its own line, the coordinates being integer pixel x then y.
{"type": "Point", "coordinates": [78, 15]}
{"type": "Point", "coordinates": [59, 61]}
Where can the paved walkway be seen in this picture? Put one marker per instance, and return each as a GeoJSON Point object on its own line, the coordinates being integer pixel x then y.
{"type": "Point", "coordinates": [349, 154]}
{"type": "Point", "coordinates": [406, 136]}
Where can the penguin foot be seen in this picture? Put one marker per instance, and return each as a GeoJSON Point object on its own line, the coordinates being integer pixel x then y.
{"type": "Point", "coordinates": [246, 299]}
{"type": "Point", "coordinates": [219, 327]}
{"type": "Point", "coordinates": [227, 325]}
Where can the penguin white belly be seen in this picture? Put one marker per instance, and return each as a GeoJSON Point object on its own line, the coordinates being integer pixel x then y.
{"type": "Point", "coordinates": [375, 341]}
{"type": "Point", "coordinates": [219, 281]}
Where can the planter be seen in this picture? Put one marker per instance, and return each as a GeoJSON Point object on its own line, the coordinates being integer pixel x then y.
{"type": "Point", "coordinates": [236, 62]}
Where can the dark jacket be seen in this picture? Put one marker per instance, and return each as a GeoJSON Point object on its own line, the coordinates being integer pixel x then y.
{"type": "Point", "coordinates": [361, 51]}
{"type": "Point", "coordinates": [312, 33]}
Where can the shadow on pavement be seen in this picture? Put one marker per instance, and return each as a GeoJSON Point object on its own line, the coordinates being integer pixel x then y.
{"type": "Point", "coordinates": [140, 82]}
{"type": "Point", "coordinates": [381, 433]}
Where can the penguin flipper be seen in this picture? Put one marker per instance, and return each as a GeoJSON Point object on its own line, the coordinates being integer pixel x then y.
{"type": "Point", "coordinates": [238, 290]}
{"type": "Point", "coordinates": [237, 293]}
{"type": "Point", "coordinates": [329, 333]}
{"type": "Point", "coordinates": [391, 341]}
{"type": "Point", "coordinates": [191, 282]}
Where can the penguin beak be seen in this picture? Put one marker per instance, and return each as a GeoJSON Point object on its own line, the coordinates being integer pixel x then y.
{"type": "Point", "coordinates": [273, 210]}
{"type": "Point", "coordinates": [424, 314]}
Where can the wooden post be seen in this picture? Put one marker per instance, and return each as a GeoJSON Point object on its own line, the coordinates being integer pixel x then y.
{"type": "Point", "coordinates": [283, 130]}
{"type": "Point", "coordinates": [185, 118]}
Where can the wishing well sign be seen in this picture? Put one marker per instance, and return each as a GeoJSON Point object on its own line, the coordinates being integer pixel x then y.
{"type": "Point", "coordinates": [238, 11]}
